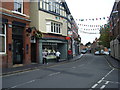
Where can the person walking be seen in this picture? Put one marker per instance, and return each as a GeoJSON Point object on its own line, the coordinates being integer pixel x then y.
{"type": "Point", "coordinates": [44, 54]}
{"type": "Point", "coordinates": [58, 56]}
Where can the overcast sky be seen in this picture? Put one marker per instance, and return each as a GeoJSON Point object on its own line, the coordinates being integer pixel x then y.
{"type": "Point", "coordinates": [89, 9]}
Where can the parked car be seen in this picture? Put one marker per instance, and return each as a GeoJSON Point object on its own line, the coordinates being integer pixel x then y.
{"type": "Point", "coordinates": [97, 53]}
{"type": "Point", "coordinates": [106, 53]}
{"type": "Point", "coordinates": [83, 51]}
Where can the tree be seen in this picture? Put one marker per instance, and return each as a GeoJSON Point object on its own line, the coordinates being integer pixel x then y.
{"type": "Point", "coordinates": [105, 36]}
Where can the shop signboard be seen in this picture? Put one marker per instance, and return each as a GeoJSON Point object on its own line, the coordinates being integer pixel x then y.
{"type": "Point", "coordinates": [70, 33]}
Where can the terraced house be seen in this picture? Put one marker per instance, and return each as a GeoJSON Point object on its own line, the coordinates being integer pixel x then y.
{"type": "Point", "coordinates": [28, 27]}
{"type": "Point", "coordinates": [14, 41]}
{"type": "Point", "coordinates": [50, 17]}
{"type": "Point", "coordinates": [115, 30]}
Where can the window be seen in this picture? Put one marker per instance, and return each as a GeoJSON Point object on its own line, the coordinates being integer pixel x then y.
{"type": "Point", "coordinates": [18, 6]}
{"type": "Point", "coordinates": [53, 27]}
{"type": "Point", "coordinates": [52, 6]}
{"type": "Point", "coordinates": [3, 39]}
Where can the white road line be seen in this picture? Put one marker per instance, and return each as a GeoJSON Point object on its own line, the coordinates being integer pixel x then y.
{"type": "Point", "coordinates": [112, 82]}
{"type": "Point", "coordinates": [103, 86]}
{"type": "Point", "coordinates": [99, 81]}
{"type": "Point", "coordinates": [94, 86]}
{"type": "Point", "coordinates": [23, 84]}
{"type": "Point", "coordinates": [54, 74]}
{"type": "Point", "coordinates": [102, 79]}
{"type": "Point", "coordinates": [107, 82]}
{"type": "Point", "coordinates": [109, 73]}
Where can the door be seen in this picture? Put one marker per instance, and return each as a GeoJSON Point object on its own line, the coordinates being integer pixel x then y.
{"type": "Point", "coordinates": [17, 51]}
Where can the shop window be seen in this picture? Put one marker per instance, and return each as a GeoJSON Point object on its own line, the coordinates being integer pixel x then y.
{"type": "Point", "coordinates": [18, 6]}
{"type": "Point", "coordinates": [3, 39]}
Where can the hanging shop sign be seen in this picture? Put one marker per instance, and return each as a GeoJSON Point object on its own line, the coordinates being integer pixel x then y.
{"type": "Point", "coordinates": [70, 33]}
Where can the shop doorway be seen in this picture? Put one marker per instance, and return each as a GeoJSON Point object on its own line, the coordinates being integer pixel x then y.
{"type": "Point", "coordinates": [62, 47]}
{"type": "Point", "coordinates": [17, 51]}
{"type": "Point", "coordinates": [33, 53]}
{"type": "Point", "coordinates": [17, 40]}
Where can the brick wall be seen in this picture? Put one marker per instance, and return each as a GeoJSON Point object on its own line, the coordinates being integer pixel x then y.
{"type": "Point", "coordinates": [6, 59]}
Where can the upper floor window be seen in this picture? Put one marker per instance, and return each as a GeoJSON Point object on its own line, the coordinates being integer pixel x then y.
{"type": "Point", "coordinates": [52, 6]}
{"type": "Point", "coordinates": [18, 6]}
{"type": "Point", "coordinates": [3, 39]}
{"type": "Point", "coordinates": [54, 27]}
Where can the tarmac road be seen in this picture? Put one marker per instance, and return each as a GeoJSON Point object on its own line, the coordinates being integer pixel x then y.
{"type": "Point", "coordinates": [88, 72]}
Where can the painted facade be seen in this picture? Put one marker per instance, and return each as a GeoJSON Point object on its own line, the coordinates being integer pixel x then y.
{"type": "Point", "coordinates": [49, 17]}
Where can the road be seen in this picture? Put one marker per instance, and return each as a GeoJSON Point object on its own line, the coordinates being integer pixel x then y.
{"type": "Point", "coordinates": [90, 71]}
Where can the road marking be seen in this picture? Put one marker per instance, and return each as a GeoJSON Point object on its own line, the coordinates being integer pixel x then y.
{"type": "Point", "coordinates": [102, 79]}
{"type": "Point", "coordinates": [23, 84]}
{"type": "Point", "coordinates": [94, 86]}
{"type": "Point", "coordinates": [107, 82]}
{"type": "Point", "coordinates": [54, 74]}
{"type": "Point", "coordinates": [103, 86]}
{"type": "Point", "coordinates": [112, 82]}
{"type": "Point", "coordinates": [108, 73]}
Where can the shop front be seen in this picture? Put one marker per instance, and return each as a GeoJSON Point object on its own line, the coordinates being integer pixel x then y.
{"type": "Point", "coordinates": [52, 46]}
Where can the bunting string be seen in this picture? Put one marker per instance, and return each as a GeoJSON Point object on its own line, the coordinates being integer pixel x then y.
{"type": "Point", "coordinates": [85, 25]}
{"type": "Point", "coordinates": [93, 19]}
{"type": "Point", "coordinates": [89, 32]}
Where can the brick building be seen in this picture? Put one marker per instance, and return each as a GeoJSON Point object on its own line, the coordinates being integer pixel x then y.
{"type": "Point", "coordinates": [115, 30]}
{"type": "Point", "coordinates": [15, 47]}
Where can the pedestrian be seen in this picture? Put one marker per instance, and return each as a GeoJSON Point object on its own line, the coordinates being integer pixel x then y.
{"type": "Point", "coordinates": [58, 56]}
{"type": "Point", "coordinates": [44, 54]}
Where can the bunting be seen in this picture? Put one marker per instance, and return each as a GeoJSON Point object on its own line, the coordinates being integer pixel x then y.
{"type": "Point", "coordinates": [93, 19]}
{"type": "Point", "coordinates": [89, 32]}
{"type": "Point", "coordinates": [86, 25]}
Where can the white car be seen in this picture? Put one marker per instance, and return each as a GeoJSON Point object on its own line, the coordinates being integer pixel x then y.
{"type": "Point", "coordinates": [106, 53]}
{"type": "Point", "coordinates": [97, 53]}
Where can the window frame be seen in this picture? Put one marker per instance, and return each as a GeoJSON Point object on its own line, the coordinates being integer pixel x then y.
{"type": "Point", "coordinates": [4, 35]}
{"type": "Point", "coordinates": [17, 6]}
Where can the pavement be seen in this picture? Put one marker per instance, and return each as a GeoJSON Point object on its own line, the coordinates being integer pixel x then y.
{"type": "Point", "coordinates": [22, 68]}
{"type": "Point", "coordinates": [114, 63]}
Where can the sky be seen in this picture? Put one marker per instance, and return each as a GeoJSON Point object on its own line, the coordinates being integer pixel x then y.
{"type": "Point", "coordinates": [90, 9]}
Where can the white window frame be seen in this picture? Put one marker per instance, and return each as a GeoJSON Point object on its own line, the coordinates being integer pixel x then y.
{"type": "Point", "coordinates": [54, 26]}
{"type": "Point", "coordinates": [4, 35]}
{"type": "Point", "coordinates": [21, 7]}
